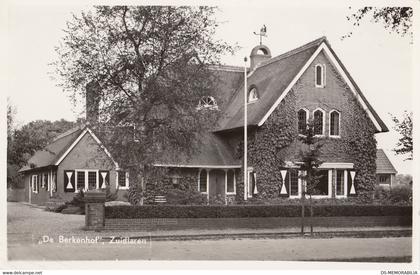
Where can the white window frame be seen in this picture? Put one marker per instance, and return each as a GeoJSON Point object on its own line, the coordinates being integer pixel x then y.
{"type": "Point", "coordinates": [127, 180]}
{"type": "Point", "coordinates": [324, 114]}
{"type": "Point", "coordinates": [34, 181]}
{"type": "Point", "coordinates": [299, 183]}
{"type": "Point", "coordinates": [250, 172]}
{"type": "Point", "coordinates": [234, 182]}
{"type": "Point", "coordinates": [307, 119]}
{"type": "Point", "coordinates": [255, 97]}
{"type": "Point", "coordinates": [203, 103]}
{"type": "Point", "coordinates": [345, 184]}
{"type": "Point", "coordinates": [323, 75]}
{"type": "Point", "coordinates": [207, 182]}
{"type": "Point", "coordinates": [86, 179]}
{"type": "Point", "coordinates": [339, 124]}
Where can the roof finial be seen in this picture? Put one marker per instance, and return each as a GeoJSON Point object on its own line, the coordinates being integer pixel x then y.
{"type": "Point", "coordinates": [263, 32]}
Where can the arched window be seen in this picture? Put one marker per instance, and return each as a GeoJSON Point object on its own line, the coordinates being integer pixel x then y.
{"type": "Point", "coordinates": [318, 122]}
{"type": "Point", "coordinates": [320, 75]}
{"type": "Point", "coordinates": [207, 102]}
{"type": "Point", "coordinates": [253, 95]}
{"type": "Point", "coordinates": [302, 120]}
{"type": "Point", "coordinates": [202, 184]}
{"type": "Point", "coordinates": [335, 123]}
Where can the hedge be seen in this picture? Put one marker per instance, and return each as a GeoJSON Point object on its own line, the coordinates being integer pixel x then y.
{"type": "Point", "coordinates": [244, 211]}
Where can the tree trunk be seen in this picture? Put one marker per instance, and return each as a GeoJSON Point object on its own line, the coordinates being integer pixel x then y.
{"type": "Point", "coordinates": [312, 214]}
{"type": "Point", "coordinates": [302, 200]}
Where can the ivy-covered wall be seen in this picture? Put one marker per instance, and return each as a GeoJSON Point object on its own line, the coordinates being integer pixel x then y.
{"type": "Point", "coordinates": [276, 140]}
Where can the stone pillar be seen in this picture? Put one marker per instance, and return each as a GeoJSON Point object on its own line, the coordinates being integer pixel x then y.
{"type": "Point", "coordinates": [94, 210]}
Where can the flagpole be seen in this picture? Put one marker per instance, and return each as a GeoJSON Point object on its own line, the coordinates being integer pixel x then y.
{"type": "Point", "coordinates": [245, 133]}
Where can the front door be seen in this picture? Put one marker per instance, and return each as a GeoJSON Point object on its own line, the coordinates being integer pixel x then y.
{"type": "Point", "coordinates": [217, 183]}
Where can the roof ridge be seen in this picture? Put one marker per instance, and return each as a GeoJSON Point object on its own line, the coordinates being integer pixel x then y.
{"type": "Point", "coordinates": [68, 132]}
{"type": "Point", "coordinates": [292, 52]}
{"type": "Point", "coordinates": [231, 68]}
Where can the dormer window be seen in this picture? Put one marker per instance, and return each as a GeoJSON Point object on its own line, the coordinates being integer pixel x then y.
{"type": "Point", "coordinates": [320, 75]}
{"type": "Point", "coordinates": [207, 102]}
{"type": "Point", "coordinates": [252, 95]}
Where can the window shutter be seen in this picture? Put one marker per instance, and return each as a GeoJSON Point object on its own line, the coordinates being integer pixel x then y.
{"type": "Point", "coordinates": [127, 180]}
{"type": "Point", "coordinates": [69, 182]}
{"type": "Point", "coordinates": [103, 179]}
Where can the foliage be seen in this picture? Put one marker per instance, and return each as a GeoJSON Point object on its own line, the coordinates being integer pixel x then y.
{"type": "Point", "coordinates": [309, 156]}
{"type": "Point", "coordinates": [135, 194]}
{"type": "Point", "coordinates": [245, 211]}
{"type": "Point", "coordinates": [360, 144]}
{"type": "Point", "coordinates": [78, 201]}
{"type": "Point", "coordinates": [23, 142]}
{"type": "Point", "coordinates": [404, 179]}
{"type": "Point", "coordinates": [151, 64]}
{"type": "Point", "coordinates": [395, 19]}
{"type": "Point", "coordinates": [185, 197]}
{"type": "Point", "coordinates": [400, 194]}
{"type": "Point", "coordinates": [405, 129]}
{"type": "Point", "coordinates": [217, 200]}
{"type": "Point", "coordinates": [267, 146]}
{"type": "Point", "coordinates": [109, 195]}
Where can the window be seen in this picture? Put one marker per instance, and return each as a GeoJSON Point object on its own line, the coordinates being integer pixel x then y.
{"type": "Point", "coordinates": [252, 95]}
{"type": "Point", "coordinates": [80, 180]}
{"type": "Point", "coordinates": [302, 120]}
{"type": "Point", "coordinates": [335, 124]}
{"type": "Point", "coordinates": [318, 122]}
{"type": "Point", "coordinates": [292, 178]}
{"type": "Point", "coordinates": [35, 184]}
{"type": "Point", "coordinates": [202, 185]}
{"type": "Point", "coordinates": [85, 180]}
{"type": "Point", "coordinates": [92, 180]}
{"type": "Point", "coordinates": [207, 102]}
{"type": "Point", "coordinates": [339, 183]}
{"type": "Point", "coordinates": [322, 187]}
{"type": "Point", "coordinates": [123, 181]}
{"type": "Point", "coordinates": [230, 181]}
{"type": "Point", "coordinates": [383, 179]}
{"type": "Point", "coordinates": [252, 183]}
{"type": "Point", "coordinates": [320, 75]}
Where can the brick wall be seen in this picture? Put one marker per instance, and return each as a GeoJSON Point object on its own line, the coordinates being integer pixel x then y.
{"type": "Point", "coordinates": [86, 155]}
{"type": "Point", "coordinates": [251, 223]}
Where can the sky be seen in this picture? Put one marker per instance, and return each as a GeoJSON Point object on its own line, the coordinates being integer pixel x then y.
{"type": "Point", "coordinates": [379, 62]}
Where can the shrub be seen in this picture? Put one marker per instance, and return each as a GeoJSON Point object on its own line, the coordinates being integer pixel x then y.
{"type": "Point", "coordinates": [217, 200]}
{"type": "Point", "coordinates": [109, 195]}
{"type": "Point", "coordinates": [244, 211]}
{"type": "Point", "coordinates": [135, 194]}
{"type": "Point", "coordinates": [401, 194]}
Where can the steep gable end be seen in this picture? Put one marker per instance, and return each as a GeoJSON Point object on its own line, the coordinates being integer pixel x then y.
{"type": "Point", "coordinates": [326, 49]}
{"type": "Point", "coordinates": [275, 78]}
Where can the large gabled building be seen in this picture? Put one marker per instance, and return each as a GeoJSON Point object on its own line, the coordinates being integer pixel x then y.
{"type": "Point", "coordinates": [283, 94]}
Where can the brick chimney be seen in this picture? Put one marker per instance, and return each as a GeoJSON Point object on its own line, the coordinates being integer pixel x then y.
{"type": "Point", "coordinates": [93, 96]}
{"type": "Point", "coordinates": [259, 54]}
